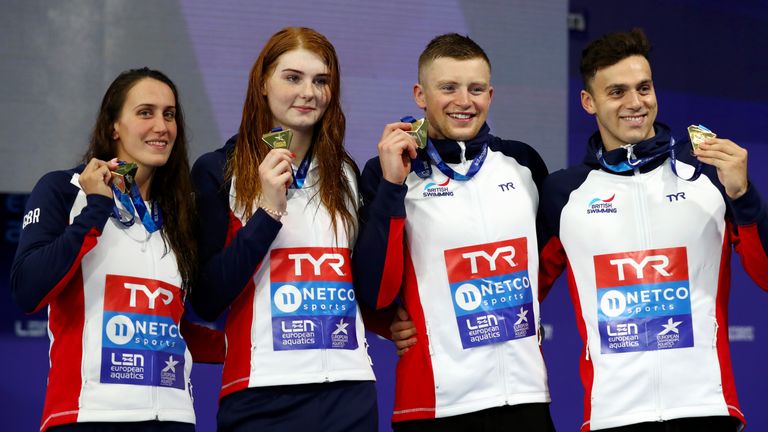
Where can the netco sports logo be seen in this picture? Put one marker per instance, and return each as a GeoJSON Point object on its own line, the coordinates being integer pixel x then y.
{"type": "Point", "coordinates": [644, 300]}
{"type": "Point", "coordinates": [313, 302]}
{"type": "Point", "coordinates": [141, 344]}
{"type": "Point", "coordinates": [491, 292]}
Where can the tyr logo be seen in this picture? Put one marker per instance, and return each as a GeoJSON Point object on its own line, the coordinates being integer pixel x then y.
{"type": "Point", "coordinates": [676, 196]}
{"type": "Point", "coordinates": [657, 262]}
{"type": "Point", "coordinates": [506, 186]}
{"type": "Point", "coordinates": [509, 252]}
{"type": "Point", "coordinates": [335, 262]}
{"type": "Point", "coordinates": [151, 295]}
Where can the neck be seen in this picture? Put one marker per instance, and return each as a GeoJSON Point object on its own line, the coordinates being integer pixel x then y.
{"type": "Point", "coordinates": [144, 180]}
{"type": "Point", "coordinates": [300, 144]}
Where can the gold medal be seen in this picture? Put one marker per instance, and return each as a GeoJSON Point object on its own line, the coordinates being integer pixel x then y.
{"type": "Point", "coordinates": [419, 131]}
{"type": "Point", "coordinates": [699, 134]}
{"type": "Point", "coordinates": [123, 176]}
{"type": "Point", "coordinates": [278, 139]}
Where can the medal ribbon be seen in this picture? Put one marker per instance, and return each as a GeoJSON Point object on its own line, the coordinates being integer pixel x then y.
{"type": "Point", "coordinates": [301, 174]}
{"type": "Point", "coordinates": [673, 161]}
{"type": "Point", "coordinates": [477, 163]}
{"type": "Point", "coordinates": [134, 204]}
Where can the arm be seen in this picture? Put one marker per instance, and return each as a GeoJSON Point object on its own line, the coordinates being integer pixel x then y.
{"type": "Point", "coordinates": [229, 252]}
{"type": "Point", "coordinates": [205, 344]}
{"type": "Point", "coordinates": [552, 258]}
{"type": "Point", "coordinates": [378, 258]}
{"type": "Point", "coordinates": [50, 248]}
{"type": "Point", "coordinates": [750, 233]}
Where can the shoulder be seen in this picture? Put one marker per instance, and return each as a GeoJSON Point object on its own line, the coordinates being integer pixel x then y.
{"type": "Point", "coordinates": [212, 166]}
{"type": "Point", "coordinates": [60, 182]}
{"type": "Point", "coordinates": [523, 153]}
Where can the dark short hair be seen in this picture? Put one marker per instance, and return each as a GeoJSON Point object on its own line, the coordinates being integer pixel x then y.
{"type": "Point", "coordinates": [611, 49]}
{"type": "Point", "coordinates": [451, 45]}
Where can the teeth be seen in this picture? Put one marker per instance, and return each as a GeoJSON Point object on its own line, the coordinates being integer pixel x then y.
{"type": "Point", "coordinates": [633, 118]}
{"type": "Point", "coordinates": [460, 116]}
{"type": "Point", "coordinates": [157, 143]}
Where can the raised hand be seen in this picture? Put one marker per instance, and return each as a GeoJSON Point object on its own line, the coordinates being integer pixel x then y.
{"type": "Point", "coordinates": [396, 149]}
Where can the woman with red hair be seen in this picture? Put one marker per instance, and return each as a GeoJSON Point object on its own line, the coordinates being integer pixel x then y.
{"type": "Point", "coordinates": [276, 227]}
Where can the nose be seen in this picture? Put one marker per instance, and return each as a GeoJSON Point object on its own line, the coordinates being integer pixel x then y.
{"type": "Point", "coordinates": [634, 100]}
{"type": "Point", "coordinates": [462, 98]}
{"type": "Point", "coordinates": [308, 90]}
{"type": "Point", "coordinates": [160, 125]}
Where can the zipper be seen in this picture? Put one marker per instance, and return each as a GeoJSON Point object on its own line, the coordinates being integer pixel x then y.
{"type": "Point", "coordinates": [645, 243]}
{"type": "Point", "coordinates": [324, 356]}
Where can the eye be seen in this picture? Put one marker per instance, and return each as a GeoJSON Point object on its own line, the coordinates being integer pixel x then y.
{"type": "Point", "coordinates": [616, 93]}
{"type": "Point", "coordinates": [477, 90]}
{"type": "Point", "coordinates": [645, 89]}
{"type": "Point", "coordinates": [169, 115]}
{"type": "Point", "coordinates": [293, 78]}
{"type": "Point", "coordinates": [145, 113]}
{"type": "Point", "coordinates": [448, 88]}
{"type": "Point", "coordinates": [322, 81]}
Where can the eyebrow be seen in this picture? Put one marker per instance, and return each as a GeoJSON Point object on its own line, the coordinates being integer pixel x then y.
{"type": "Point", "coordinates": [626, 86]}
{"type": "Point", "coordinates": [296, 71]}
{"type": "Point", "coordinates": [150, 105]}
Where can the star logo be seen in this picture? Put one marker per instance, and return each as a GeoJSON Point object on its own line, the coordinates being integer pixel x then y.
{"type": "Point", "coordinates": [170, 364]}
{"type": "Point", "coordinates": [522, 316]}
{"type": "Point", "coordinates": [670, 326]}
{"type": "Point", "coordinates": [341, 327]}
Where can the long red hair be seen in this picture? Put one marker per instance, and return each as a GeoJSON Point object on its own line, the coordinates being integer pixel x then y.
{"type": "Point", "coordinates": [327, 138]}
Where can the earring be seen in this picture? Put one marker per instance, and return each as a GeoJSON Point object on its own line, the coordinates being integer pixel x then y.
{"type": "Point", "coordinates": [114, 135]}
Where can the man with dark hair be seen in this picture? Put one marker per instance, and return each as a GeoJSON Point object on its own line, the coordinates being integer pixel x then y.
{"type": "Point", "coordinates": [450, 230]}
{"type": "Point", "coordinates": [645, 226]}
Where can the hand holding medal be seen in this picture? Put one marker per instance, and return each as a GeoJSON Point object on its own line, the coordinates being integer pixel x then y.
{"type": "Point", "coordinates": [276, 172]}
{"type": "Point", "coordinates": [398, 145]}
{"type": "Point", "coordinates": [96, 177]}
{"type": "Point", "coordinates": [726, 156]}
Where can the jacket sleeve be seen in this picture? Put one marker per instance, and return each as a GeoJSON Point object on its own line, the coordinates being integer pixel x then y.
{"type": "Point", "coordinates": [229, 252]}
{"type": "Point", "coordinates": [206, 345]}
{"type": "Point", "coordinates": [750, 234]}
{"type": "Point", "coordinates": [378, 259]}
{"type": "Point", "coordinates": [50, 248]}
{"type": "Point", "coordinates": [552, 258]}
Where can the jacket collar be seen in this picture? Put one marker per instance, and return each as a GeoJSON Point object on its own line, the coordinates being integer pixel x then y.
{"type": "Point", "coordinates": [652, 146]}
{"type": "Point", "coordinates": [450, 151]}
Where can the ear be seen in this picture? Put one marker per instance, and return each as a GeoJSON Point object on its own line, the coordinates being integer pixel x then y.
{"type": "Point", "coordinates": [115, 135]}
{"type": "Point", "coordinates": [419, 97]}
{"type": "Point", "coordinates": [587, 102]}
{"type": "Point", "coordinates": [490, 94]}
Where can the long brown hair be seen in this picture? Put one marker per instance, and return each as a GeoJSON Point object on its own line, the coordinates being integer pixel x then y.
{"type": "Point", "coordinates": [171, 185]}
{"type": "Point", "coordinates": [327, 138]}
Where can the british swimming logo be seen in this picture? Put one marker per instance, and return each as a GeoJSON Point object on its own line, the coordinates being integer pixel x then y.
{"type": "Point", "coordinates": [491, 292]}
{"type": "Point", "coordinates": [643, 300]}
{"type": "Point", "coordinates": [313, 301]}
{"type": "Point", "coordinates": [140, 334]}
{"type": "Point", "coordinates": [599, 205]}
{"type": "Point", "coordinates": [433, 189]}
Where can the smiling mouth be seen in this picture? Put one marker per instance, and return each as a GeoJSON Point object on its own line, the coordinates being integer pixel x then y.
{"type": "Point", "coordinates": [157, 143]}
{"type": "Point", "coordinates": [304, 108]}
{"type": "Point", "coordinates": [462, 116]}
{"type": "Point", "coordinates": [634, 118]}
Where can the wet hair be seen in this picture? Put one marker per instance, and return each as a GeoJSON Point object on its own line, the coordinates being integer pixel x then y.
{"type": "Point", "coordinates": [327, 138]}
{"type": "Point", "coordinates": [171, 186]}
{"type": "Point", "coordinates": [611, 49]}
{"type": "Point", "coordinates": [451, 45]}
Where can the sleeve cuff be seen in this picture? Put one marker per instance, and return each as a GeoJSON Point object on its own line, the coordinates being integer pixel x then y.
{"type": "Point", "coordinates": [390, 200]}
{"type": "Point", "coordinates": [97, 211]}
{"type": "Point", "coordinates": [748, 207]}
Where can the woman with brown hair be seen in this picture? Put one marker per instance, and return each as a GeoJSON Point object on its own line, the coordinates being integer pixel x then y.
{"type": "Point", "coordinates": [276, 229]}
{"type": "Point", "coordinates": [113, 258]}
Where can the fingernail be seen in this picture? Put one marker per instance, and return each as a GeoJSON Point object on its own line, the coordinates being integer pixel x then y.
{"type": "Point", "coordinates": [293, 154]}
